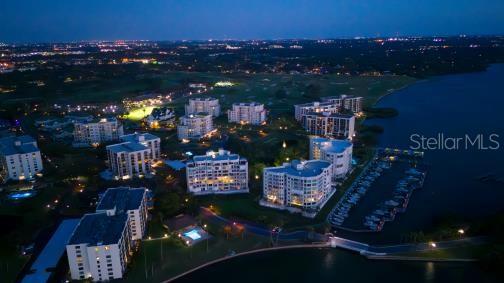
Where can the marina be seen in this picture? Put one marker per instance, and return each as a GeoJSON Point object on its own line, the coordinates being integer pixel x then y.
{"type": "Point", "coordinates": [401, 170]}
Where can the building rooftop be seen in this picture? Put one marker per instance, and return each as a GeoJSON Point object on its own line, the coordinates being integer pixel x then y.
{"type": "Point", "coordinates": [99, 120]}
{"type": "Point", "coordinates": [17, 145]}
{"type": "Point", "coordinates": [310, 168]}
{"type": "Point", "coordinates": [122, 199]}
{"type": "Point", "coordinates": [327, 114]}
{"type": "Point", "coordinates": [127, 147]}
{"type": "Point", "coordinates": [315, 104]}
{"type": "Point", "coordinates": [137, 137]}
{"type": "Point", "coordinates": [248, 104]}
{"type": "Point", "coordinates": [99, 229]}
{"type": "Point", "coordinates": [195, 115]}
{"type": "Point", "coordinates": [203, 99]}
{"type": "Point", "coordinates": [220, 155]}
{"type": "Point", "coordinates": [332, 145]}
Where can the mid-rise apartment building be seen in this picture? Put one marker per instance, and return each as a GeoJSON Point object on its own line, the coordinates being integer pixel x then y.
{"type": "Point", "coordinates": [20, 157]}
{"type": "Point", "coordinates": [195, 126]}
{"type": "Point", "coordinates": [149, 140]}
{"type": "Point", "coordinates": [129, 159]}
{"type": "Point", "coordinates": [247, 113]}
{"type": "Point", "coordinates": [332, 125]}
{"type": "Point", "coordinates": [338, 152]}
{"type": "Point", "coordinates": [97, 131]}
{"type": "Point", "coordinates": [217, 173]}
{"type": "Point", "coordinates": [299, 186]}
{"type": "Point", "coordinates": [208, 105]}
{"type": "Point", "coordinates": [100, 247]}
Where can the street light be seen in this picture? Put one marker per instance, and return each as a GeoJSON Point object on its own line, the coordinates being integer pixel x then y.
{"type": "Point", "coordinates": [433, 244]}
{"type": "Point", "coordinates": [461, 231]}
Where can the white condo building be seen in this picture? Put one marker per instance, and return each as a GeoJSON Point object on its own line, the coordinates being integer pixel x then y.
{"type": "Point", "coordinates": [348, 102]}
{"type": "Point", "coordinates": [315, 107]}
{"type": "Point", "coordinates": [100, 247]}
{"type": "Point", "coordinates": [195, 126]}
{"type": "Point", "coordinates": [330, 104]}
{"type": "Point", "coordinates": [149, 140]}
{"type": "Point", "coordinates": [217, 173]}
{"type": "Point", "coordinates": [130, 201]}
{"type": "Point", "coordinates": [20, 158]}
{"type": "Point", "coordinates": [247, 113]}
{"type": "Point", "coordinates": [298, 186]}
{"type": "Point", "coordinates": [129, 159]}
{"type": "Point", "coordinates": [102, 242]}
{"type": "Point", "coordinates": [338, 152]}
{"type": "Point", "coordinates": [97, 131]}
{"type": "Point", "coordinates": [208, 105]}
{"type": "Point", "coordinates": [329, 125]}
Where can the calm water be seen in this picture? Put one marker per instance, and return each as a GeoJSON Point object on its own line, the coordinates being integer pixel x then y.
{"type": "Point", "coordinates": [455, 105]}
{"type": "Point", "coordinates": [332, 266]}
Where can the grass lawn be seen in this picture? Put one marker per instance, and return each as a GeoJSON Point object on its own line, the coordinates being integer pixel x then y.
{"type": "Point", "coordinates": [162, 259]}
{"type": "Point", "coordinates": [465, 252]}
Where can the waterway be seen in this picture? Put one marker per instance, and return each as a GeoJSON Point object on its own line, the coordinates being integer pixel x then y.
{"type": "Point", "coordinates": [454, 105]}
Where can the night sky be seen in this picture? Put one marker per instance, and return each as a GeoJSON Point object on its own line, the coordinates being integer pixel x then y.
{"type": "Point", "coordinates": [68, 20]}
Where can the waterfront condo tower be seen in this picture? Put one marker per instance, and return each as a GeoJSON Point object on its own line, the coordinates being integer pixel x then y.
{"type": "Point", "coordinates": [299, 186]}
{"type": "Point", "coordinates": [331, 125]}
{"type": "Point", "coordinates": [217, 173]}
{"type": "Point", "coordinates": [338, 152]}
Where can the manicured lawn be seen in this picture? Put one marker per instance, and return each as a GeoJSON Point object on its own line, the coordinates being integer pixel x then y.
{"type": "Point", "coordinates": [162, 259]}
{"type": "Point", "coordinates": [465, 252]}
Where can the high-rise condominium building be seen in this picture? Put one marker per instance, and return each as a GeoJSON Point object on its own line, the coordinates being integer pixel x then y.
{"type": "Point", "coordinates": [330, 104]}
{"type": "Point", "coordinates": [217, 173]}
{"type": "Point", "coordinates": [329, 125]}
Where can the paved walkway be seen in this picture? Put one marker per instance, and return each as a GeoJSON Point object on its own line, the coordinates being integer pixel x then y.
{"type": "Point", "coordinates": [344, 243]}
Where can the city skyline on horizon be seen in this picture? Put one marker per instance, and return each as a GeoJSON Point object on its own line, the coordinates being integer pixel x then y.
{"type": "Point", "coordinates": [61, 21]}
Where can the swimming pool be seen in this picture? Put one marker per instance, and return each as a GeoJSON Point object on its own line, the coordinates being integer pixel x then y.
{"type": "Point", "coordinates": [21, 195]}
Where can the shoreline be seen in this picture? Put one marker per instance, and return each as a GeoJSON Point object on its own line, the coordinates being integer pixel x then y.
{"type": "Point", "coordinates": [225, 258]}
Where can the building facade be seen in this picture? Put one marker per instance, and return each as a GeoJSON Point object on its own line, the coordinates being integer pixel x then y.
{"type": "Point", "coordinates": [198, 105]}
{"type": "Point", "coordinates": [298, 186]}
{"type": "Point", "coordinates": [100, 247]}
{"type": "Point", "coordinates": [329, 125]}
{"type": "Point", "coordinates": [129, 159]}
{"type": "Point", "coordinates": [247, 113]}
{"type": "Point", "coordinates": [20, 157]}
{"type": "Point", "coordinates": [149, 140]}
{"type": "Point", "coordinates": [160, 117]}
{"type": "Point", "coordinates": [330, 104]}
{"type": "Point", "coordinates": [347, 102]}
{"type": "Point", "coordinates": [338, 152]}
{"type": "Point", "coordinates": [315, 107]}
{"type": "Point", "coordinates": [195, 126]}
{"type": "Point", "coordinates": [130, 201]}
{"type": "Point", "coordinates": [217, 173]}
{"type": "Point", "coordinates": [97, 131]}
